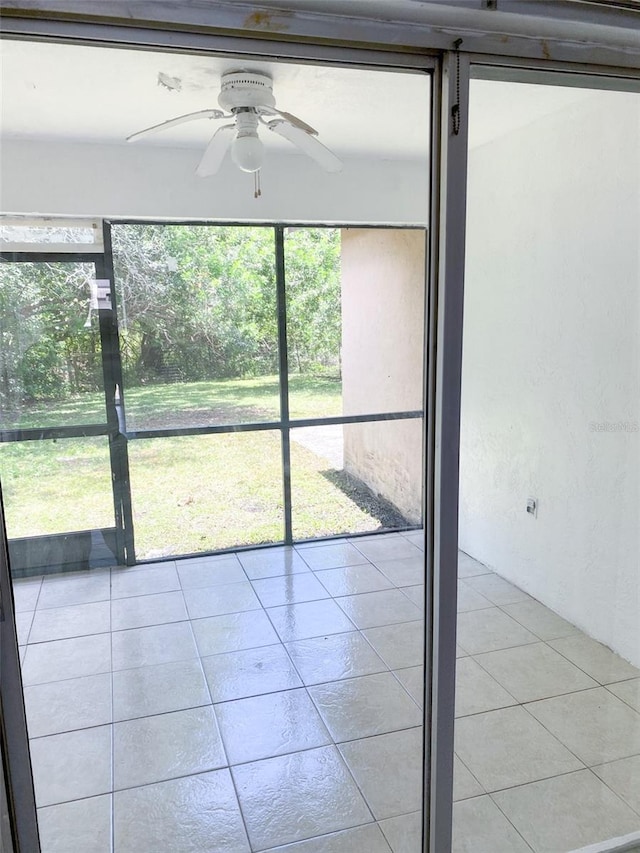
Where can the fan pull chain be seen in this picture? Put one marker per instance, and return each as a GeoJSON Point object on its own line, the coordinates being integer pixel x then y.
{"type": "Point", "coordinates": [455, 109]}
{"type": "Point", "coordinates": [257, 192]}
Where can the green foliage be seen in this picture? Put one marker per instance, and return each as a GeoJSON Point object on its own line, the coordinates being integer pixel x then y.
{"type": "Point", "coordinates": [199, 302]}
{"type": "Point", "coordinates": [195, 303]}
{"type": "Point", "coordinates": [313, 299]}
{"type": "Point", "coordinates": [45, 350]}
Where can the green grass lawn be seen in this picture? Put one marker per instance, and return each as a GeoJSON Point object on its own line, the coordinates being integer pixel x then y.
{"type": "Point", "coordinates": [185, 404]}
{"type": "Point", "coordinates": [189, 493]}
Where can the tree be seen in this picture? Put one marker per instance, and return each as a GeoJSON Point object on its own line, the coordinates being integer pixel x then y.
{"type": "Point", "coordinates": [195, 302]}
{"type": "Point", "coordinates": [46, 352]}
{"type": "Point", "coordinates": [199, 302]}
{"type": "Point", "coordinates": [312, 275]}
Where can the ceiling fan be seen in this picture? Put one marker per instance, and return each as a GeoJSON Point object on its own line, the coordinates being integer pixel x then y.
{"type": "Point", "coordinates": [247, 99]}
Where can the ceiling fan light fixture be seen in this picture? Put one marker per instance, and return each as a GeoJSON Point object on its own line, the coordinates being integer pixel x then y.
{"type": "Point", "coordinates": [247, 152]}
{"type": "Point", "coordinates": [247, 100]}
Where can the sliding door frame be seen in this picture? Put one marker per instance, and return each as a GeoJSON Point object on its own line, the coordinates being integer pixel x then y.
{"type": "Point", "coordinates": [15, 757]}
{"type": "Point", "coordinates": [444, 384]}
{"type": "Point", "coordinates": [394, 47]}
{"type": "Point", "coordinates": [119, 537]}
{"type": "Point", "coordinates": [511, 70]}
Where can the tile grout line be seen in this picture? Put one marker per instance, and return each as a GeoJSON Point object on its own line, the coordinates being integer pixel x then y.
{"type": "Point", "coordinates": [314, 705]}
{"type": "Point", "coordinates": [606, 784]}
{"type": "Point", "coordinates": [475, 778]}
{"type": "Point", "coordinates": [281, 644]}
{"type": "Point", "coordinates": [576, 633]}
{"type": "Point", "coordinates": [585, 769]}
{"type": "Point", "coordinates": [233, 781]}
{"type": "Point", "coordinates": [556, 738]}
{"type": "Point", "coordinates": [35, 608]}
{"type": "Point", "coordinates": [393, 673]}
{"type": "Point", "coordinates": [341, 758]}
{"type": "Point", "coordinates": [597, 680]}
{"type": "Point", "coordinates": [323, 835]}
{"type": "Point", "coordinates": [611, 683]}
{"type": "Point", "coordinates": [527, 701]}
{"type": "Point", "coordinates": [523, 705]}
{"type": "Point", "coordinates": [514, 827]}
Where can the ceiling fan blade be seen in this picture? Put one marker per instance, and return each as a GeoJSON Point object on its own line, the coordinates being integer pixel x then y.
{"type": "Point", "coordinates": [165, 125]}
{"type": "Point", "coordinates": [294, 120]}
{"type": "Point", "coordinates": [307, 143]}
{"type": "Point", "coordinates": [297, 122]}
{"type": "Point", "coordinates": [215, 151]}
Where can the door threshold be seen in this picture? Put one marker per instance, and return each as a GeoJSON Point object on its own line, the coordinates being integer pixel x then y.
{"type": "Point", "coordinates": [622, 844]}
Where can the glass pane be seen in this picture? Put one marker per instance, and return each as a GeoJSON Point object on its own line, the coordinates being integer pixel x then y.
{"type": "Point", "coordinates": [316, 734]}
{"type": "Point", "coordinates": [354, 478]}
{"type": "Point", "coordinates": [355, 320]}
{"type": "Point", "coordinates": [34, 234]}
{"type": "Point", "coordinates": [198, 324]}
{"type": "Point", "coordinates": [548, 698]}
{"type": "Point", "coordinates": [204, 493]}
{"type": "Point", "coordinates": [56, 486]}
{"type": "Point", "coordinates": [50, 356]}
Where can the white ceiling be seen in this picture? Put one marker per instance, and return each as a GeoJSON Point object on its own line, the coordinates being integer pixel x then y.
{"type": "Point", "coordinates": [96, 94]}
{"type": "Point", "coordinates": [89, 94]}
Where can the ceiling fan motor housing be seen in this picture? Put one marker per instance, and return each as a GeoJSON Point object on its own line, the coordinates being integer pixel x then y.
{"type": "Point", "coordinates": [246, 89]}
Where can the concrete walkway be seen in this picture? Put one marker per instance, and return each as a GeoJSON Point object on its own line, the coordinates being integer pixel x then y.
{"type": "Point", "coordinates": [325, 441]}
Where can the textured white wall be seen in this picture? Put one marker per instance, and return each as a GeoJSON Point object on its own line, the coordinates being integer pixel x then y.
{"type": "Point", "coordinates": [551, 347]}
{"type": "Point", "coordinates": [123, 181]}
{"type": "Point", "coordinates": [383, 285]}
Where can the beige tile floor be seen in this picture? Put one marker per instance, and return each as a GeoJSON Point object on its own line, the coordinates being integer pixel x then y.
{"type": "Point", "coordinates": [270, 700]}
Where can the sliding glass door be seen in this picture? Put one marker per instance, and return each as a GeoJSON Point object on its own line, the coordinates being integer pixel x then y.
{"type": "Point", "coordinates": [261, 385]}
{"type": "Point", "coordinates": [548, 674]}
{"type": "Point", "coordinates": [18, 822]}
{"type": "Point", "coordinates": [62, 462]}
